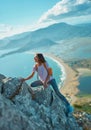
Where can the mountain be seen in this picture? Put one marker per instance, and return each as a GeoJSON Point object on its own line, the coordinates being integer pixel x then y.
{"type": "Point", "coordinates": [44, 43]}
{"type": "Point", "coordinates": [67, 41]}
{"type": "Point", "coordinates": [14, 41]}
{"type": "Point", "coordinates": [55, 32]}
{"type": "Point", "coordinates": [84, 25]}
{"type": "Point", "coordinates": [61, 31]}
{"type": "Point", "coordinates": [21, 110]}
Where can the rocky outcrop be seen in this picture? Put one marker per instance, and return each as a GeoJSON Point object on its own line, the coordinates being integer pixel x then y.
{"type": "Point", "coordinates": [42, 111]}
{"type": "Point", "coordinates": [83, 119]}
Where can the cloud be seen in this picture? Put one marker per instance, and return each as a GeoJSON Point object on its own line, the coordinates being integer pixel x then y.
{"type": "Point", "coordinates": [66, 9]}
{"type": "Point", "coordinates": [8, 30]}
{"type": "Point", "coordinates": [4, 28]}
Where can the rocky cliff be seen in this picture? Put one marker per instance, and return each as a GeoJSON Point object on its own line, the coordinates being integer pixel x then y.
{"type": "Point", "coordinates": [19, 110]}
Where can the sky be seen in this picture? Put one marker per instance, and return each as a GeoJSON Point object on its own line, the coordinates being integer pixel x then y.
{"type": "Point", "coordinates": [17, 16]}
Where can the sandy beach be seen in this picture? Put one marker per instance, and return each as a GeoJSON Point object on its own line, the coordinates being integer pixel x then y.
{"type": "Point", "coordinates": [69, 88]}
{"type": "Point", "coordinates": [84, 71]}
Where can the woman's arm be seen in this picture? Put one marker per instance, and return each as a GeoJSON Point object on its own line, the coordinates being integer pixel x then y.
{"type": "Point", "coordinates": [29, 77]}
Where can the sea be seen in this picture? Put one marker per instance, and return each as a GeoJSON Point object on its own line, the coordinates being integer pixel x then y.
{"type": "Point", "coordinates": [20, 65]}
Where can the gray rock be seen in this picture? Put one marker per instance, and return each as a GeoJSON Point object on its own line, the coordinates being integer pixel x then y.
{"type": "Point", "coordinates": [2, 77]}
{"type": "Point", "coordinates": [1, 87]}
{"type": "Point", "coordinates": [10, 85]}
{"type": "Point", "coordinates": [83, 119]}
{"type": "Point", "coordinates": [43, 112]}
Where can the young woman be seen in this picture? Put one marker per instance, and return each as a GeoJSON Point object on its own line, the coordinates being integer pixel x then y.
{"type": "Point", "coordinates": [42, 68]}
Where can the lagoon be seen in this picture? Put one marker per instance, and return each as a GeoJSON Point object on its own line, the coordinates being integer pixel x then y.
{"type": "Point", "coordinates": [85, 85]}
{"type": "Point", "coordinates": [21, 64]}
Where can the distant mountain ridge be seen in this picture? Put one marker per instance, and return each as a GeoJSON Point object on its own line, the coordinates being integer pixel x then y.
{"type": "Point", "coordinates": [67, 41]}
{"type": "Point", "coordinates": [55, 32]}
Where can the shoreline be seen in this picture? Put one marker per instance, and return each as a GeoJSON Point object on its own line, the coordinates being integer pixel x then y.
{"type": "Point", "coordinates": [70, 78]}
{"type": "Point", "coordinates": [84, 71]}
{"type": "Point", "coordinates": [69, 87]}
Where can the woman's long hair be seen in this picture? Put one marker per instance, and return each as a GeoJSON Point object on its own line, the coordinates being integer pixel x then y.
{"type": "Point", "coordinates": [41, 57]}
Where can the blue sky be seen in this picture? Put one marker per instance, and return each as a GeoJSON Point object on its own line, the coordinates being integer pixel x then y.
{"type": "Point", "coordinates": [15, 12]}
{"type": "Point", "coordinates": [18, 16]}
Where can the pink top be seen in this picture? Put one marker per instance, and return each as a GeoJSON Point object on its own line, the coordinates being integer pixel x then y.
{"type": "Point", "coordinates": [42, 72]}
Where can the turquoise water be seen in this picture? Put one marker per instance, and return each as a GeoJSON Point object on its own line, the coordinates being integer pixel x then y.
{"type": "Point", "coordinates": [21, 64]}
{"type": "Point", "coordinates": [85, 85]}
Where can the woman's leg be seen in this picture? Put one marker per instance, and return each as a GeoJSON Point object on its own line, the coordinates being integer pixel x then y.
{"type": "Point", "coordinates": [36, 83]}
{"type": "Point", "coordinates": [55, 87]}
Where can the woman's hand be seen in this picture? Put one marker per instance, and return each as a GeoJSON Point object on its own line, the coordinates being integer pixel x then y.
{"type": "Point", "coordinates": [45, 84]}
{"type": "Point", "coordinates": [22, 80]}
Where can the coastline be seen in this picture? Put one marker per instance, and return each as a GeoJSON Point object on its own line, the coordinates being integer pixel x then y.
{"type": "Point", "coordinates": [70, 78]}
{"type": "Point", "coordinates": [69, 86]}
{"type": "Point", "coordinates": [84, 71]}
